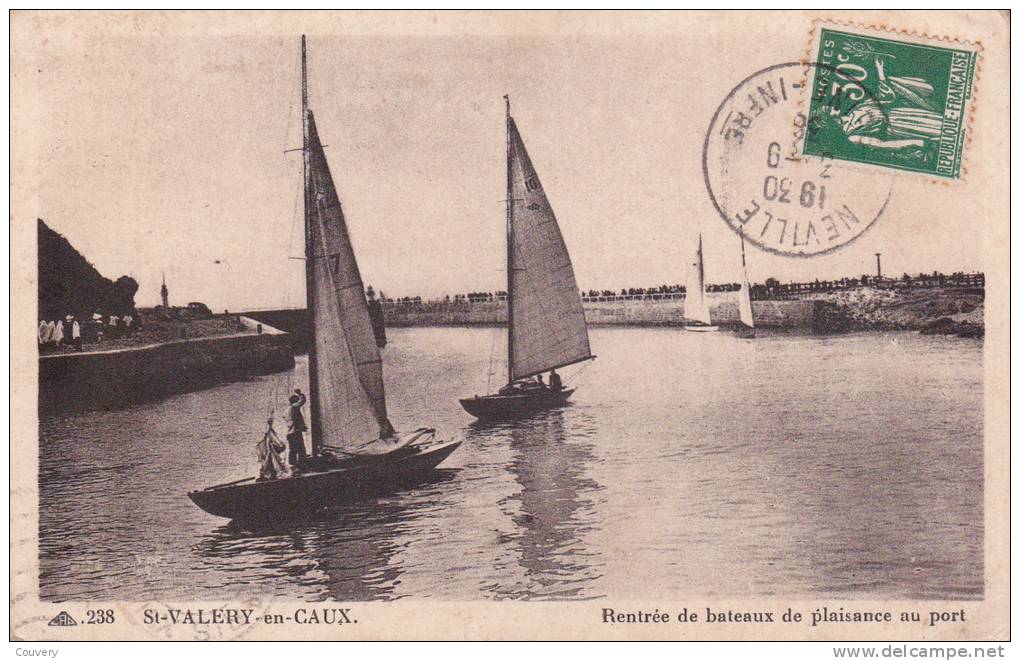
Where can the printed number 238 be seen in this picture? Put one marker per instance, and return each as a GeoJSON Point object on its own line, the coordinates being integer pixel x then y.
{"type": "Point", "coordinates": [100, 616]}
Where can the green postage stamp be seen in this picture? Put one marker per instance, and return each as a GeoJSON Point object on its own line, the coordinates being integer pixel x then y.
{"type": "Point", "coordinates": [883, 98]}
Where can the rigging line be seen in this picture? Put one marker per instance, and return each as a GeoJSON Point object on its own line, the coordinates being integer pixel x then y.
{"type": "Point", "coordinates": [576, 375]}
{"type": "Point", "coordinates": [286, 129]}
{"type": "Point", "coordinates": [276, 396]}
{"type": "Point", "coordinates": [492, 351]}
{"type": "Point", "coordinates": [291, 105]}
{"type": "Point", "coordinates": [286, 141]}
{"type": "Point", "coordinates": [299, 191]}
{"type": "Point", "coordinates": [298, 194]}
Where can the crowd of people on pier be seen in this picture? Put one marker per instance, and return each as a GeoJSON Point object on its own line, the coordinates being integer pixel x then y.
{"type": "Point", "coordinates": [472, 297]}
{"type": "Point", "coordinates": [480, 297]}
{"type": "Point", "coordinates": [406, 300]}
{"type": "Point", "coordinates": [771, 289]}
{"type": "Point", "coordinates": [72, 334]}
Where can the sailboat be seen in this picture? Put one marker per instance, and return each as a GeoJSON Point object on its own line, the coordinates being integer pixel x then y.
{"type": "Point", "coordinates": [546, 329]}
{"type": "Point", "coordinates": [696, 304]}
{"type": "Point", "coordinates": [744, 296]}
{"type": "Point", "coordinates": [355, 451]}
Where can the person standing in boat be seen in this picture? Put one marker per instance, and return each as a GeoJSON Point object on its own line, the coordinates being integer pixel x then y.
{"type": "Point", "coordinates": [269, 449]}
{"type": "Point", "coordinates": [555, 382]}
{"type": "Point", "coordinates": [296, 432]}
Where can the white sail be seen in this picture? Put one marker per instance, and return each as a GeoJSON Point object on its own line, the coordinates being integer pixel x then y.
{"type": "Point", "coordinates": [547, 327]}
{"type": "Point", "coordinates": [348, 399]}
{"type": "Point", "coordinates": [744, 295]}
{"type": "Point", "coordinates": [695, 302]}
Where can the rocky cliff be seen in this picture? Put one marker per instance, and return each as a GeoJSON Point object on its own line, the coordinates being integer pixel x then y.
{"type": "Point", "coordinates": [69, 284]}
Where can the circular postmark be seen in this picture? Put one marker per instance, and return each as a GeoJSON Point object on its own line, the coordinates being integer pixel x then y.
{"type": "Point", "coordinates": [778, 199]}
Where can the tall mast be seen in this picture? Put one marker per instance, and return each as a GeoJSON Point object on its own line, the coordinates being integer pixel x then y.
{"type": "Point", "coordinates": [701, 267]}
{"type": "Point", "coordinates": [743, 255]}
{"type": "Point", "coordinates": [313, 378]}
{"type": "Point", "coordinates": [509, 249]}
{"type": "Point", "coordinates": [746, 311]}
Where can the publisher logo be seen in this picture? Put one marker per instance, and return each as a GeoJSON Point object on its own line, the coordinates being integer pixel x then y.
{"type": "Point", "coordinates": [63, 619]}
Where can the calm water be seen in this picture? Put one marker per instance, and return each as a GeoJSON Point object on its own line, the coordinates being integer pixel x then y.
{"type": "Point", "coordinates": [688, 464]}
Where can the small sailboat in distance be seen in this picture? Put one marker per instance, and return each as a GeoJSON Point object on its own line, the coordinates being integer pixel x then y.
{"type": "Point", "coordinates": [355, 452]}
{"type": "Point", "coordinates": [546, 329]}
{"type": "Point", "coordinates": [744, 297]}
{"type": "Point", "coordinates": [695, 303]}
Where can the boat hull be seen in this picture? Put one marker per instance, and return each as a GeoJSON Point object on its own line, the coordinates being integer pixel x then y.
{"type": "Point", "coordinates": [287, 498]}
{"type": "Point", "coordinates": [516, 405]}
{"type": "Point", "coordinates": [701, 329]}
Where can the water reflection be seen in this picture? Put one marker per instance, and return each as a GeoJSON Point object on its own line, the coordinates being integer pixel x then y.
{"type": "Point", "coordinates": [345, 553]}
{"type": "Point", "coordinates": [553, 510]}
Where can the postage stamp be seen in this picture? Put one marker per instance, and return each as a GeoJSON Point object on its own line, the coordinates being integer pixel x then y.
{"type": "Point", "coordinates": [890, 100]}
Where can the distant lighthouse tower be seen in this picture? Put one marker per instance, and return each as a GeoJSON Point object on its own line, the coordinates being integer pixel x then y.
{"type": "Point", "coordinates": [165, 293]}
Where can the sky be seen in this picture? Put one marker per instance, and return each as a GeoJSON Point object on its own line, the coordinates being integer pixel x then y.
{"type": "Point", "coordinates": [159, 147]}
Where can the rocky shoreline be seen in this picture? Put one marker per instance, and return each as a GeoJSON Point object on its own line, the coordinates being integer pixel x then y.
{"type": "Point", "coordinates": [931, 311]}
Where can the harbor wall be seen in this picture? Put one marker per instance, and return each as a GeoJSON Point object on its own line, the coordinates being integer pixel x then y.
{"type": "Point", "coordinates": [111, 379]}
{"type": "Point", "coordinates": [947, 309]}
{"type": "Point", "coordinates": [669, 312]}
{"type": "Point", "coordinates": [295, 321]}
{"type": "Point", "coordinates": [796, 314]}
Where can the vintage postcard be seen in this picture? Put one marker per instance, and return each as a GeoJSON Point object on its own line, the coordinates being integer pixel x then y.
{"type": "Point", "coordinates": [510, 325]}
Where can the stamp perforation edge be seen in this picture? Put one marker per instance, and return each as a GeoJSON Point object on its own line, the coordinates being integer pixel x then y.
{"type": "Point", "coordinates": [918, 37]}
